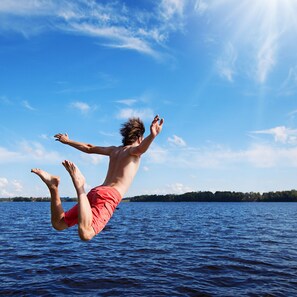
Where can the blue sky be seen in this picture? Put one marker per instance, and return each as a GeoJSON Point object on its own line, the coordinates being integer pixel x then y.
{"type": "Point", "coordinates": [222, 73]}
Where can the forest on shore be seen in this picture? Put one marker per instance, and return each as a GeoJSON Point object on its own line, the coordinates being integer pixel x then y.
{"type": "Point", "coordinates": [35, 199]}
{"type": "Point", "coordinates": [206, 196]}
{"type": "Point", "coordinates": [220, 196]}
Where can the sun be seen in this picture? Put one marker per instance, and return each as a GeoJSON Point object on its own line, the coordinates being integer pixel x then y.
{"type": "Point", "coordinates": [256, 31]}
{"type": "Point", "coordinates": [263, 15]}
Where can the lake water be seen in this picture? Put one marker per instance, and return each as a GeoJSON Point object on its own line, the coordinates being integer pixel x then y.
{"type": "Point", "coordinates": [153, 249]}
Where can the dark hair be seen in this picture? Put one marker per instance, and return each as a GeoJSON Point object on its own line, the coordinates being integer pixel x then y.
{"type": "Point", "coordinates": [132, 130]}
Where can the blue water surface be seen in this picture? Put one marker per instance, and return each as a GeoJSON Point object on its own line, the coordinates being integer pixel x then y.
{"type": "Point", "coordinates": [153, 249]}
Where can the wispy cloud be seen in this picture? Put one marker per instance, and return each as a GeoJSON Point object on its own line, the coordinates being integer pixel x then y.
{"type": "Point", "coordinates": [29, 7]}
{"type": "Point", "coordinates": [176, 140]}
{"type": "Point", "coordinates": [3, 182]}
{"type": "Point", "coordinates": [145, 168]}
{"type": "Point", "coordinates": [266, 58]}
{"type": "Point", "coordinates": [27, 105]}
{"type": "Point", "coordinates": [36, 151]}
{"type": "Point", "coordinates": [174, 188]}
{"type": "Point", "coordinates": [280, 134]}
{"type": "Point", "coordinates": [201, 6]}
{"type": "Point", "coordinates": [10, 188]}
{"type": "Point", "coordinates": [257, 155]}
{"type": "Point", "coordinates": [44, 136]}
{"type": "Point", "coordinates": [226, 64]}
{"type": "Point", "coordinates": [171, 8]}
{"type": "Point", "coordinates": [28, 151]}
{"type": "Point", "coordinates": [113, 23]}
{"type": "Point", "coordinates": [144, 114]}
{"type": "Point", "coordinates": [92, 159]}
{"type": "Point", "coordinates": [108, 134]}
{"type": "Point", "coordinates": [7, 156]}
{"type": "Point", "coordinates": [5, 100]}
{"type": "Point", "coordinates": [289, 86]}
{"type": "Point", "coordinates": [260, 155]}
{"type": "Point", "coordinates": [81, 106]}
{"type": "Point", "coordinates": [120, 37]}
{"type": "Point", "coordinates": [178, 188]}
{"type": "Point", "coordinates": [157, 154]}
{"type": "Point", "coordinates": [128, 102]}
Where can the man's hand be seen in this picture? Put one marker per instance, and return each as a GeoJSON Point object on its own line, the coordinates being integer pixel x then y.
{"type": "Point", "coordinates": [156, 127]}
{"type": "Point", "coordinates": [62, 138]}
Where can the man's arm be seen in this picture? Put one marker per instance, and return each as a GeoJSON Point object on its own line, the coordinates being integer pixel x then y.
{"type": "Point", "coordinates": [84, 147]}
{"type": "Point", "coordinates": [155, 129]}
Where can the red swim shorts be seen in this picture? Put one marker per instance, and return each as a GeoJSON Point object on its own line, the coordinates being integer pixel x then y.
{"type": "Point", "coordinates": [103, 201]}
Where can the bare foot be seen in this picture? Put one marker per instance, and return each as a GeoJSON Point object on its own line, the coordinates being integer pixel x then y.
{"type": "Point", "coordinates": [50, 180]}
{"type": "Point", "coordinates": [77, 177]}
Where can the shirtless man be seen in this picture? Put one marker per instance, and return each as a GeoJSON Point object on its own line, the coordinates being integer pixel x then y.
{"type": "Point", "coordinates": [94, 209]}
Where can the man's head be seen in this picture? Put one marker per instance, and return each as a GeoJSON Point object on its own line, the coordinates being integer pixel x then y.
{"type": "Point", "coordinates": [132, 131]}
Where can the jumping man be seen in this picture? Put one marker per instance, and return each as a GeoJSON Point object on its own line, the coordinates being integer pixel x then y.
{"type": "Point", "coordinates": [93, 210]}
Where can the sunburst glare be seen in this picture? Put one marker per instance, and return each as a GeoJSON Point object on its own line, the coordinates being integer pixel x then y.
{"type": "Point", "coordinates": [254, 29]}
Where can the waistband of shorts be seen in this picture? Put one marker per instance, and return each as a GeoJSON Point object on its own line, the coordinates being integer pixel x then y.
{"type": "Point", "coordinates": [109, 189]}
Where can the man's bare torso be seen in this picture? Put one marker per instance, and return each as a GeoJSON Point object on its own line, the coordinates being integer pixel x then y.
{"type": "Point", "coordinates": [122, 169]}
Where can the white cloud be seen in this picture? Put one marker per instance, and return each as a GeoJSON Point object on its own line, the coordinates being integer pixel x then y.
{"type": "Point", "coordinates": [226, 64]}
{"type": "Point", "coordinates": [120, 37]}
{"type": "Point", "coordinates": [36, 151]}
{"type": "Point", "coordinates": [269, 156]}
{"type": "Point", "coordinates": [172, 8]}
{"type": "Point", "coordinates": [280, 134]}
{"type": "Point", "coordinates": [10, 188]}
{"type": "Point", "coordinates": [175, 188]}
{"type": "Point", "coordinates": [7, 156]}
{"type": "Point", "coordinates": [178, 188]}
{"type": "Point", "coordinates": [156, 154]}
{"type": "Point", "coordinates": [178, 141]}
{"type": "Point", "coordinates": [5, 100]}
{"type": "Point", "coordinates": [145, 168]}
{"type": "Point", "coordinates": [120, 25]}
{"type": "Point", "coordinates": [201, 6]}
{"type": "Point", "coordinates": [108, 134]}
{"type": "Point", "coordinates": [280, 154]}
{"type": "Point", "coordinates": [28, 151]}
{"type": "Point", "coordinates": [44, 136]}
{"type": "Point", "coordinates": [28, 7]}
{"type": "Point", "coordinates": [27, 105]}
{"type": "Point", "coordinates": [3, 182]}
{"type": "Point", "coordinates": [81, 106]}
{"type": "Point", "coordinates": [93, 159]}
{"type": "Point", "coordinates": [18, 187]}
{"type": "Point", "coordinates": [128, 102]}
{"type": "Point", "coordinates": [143, 114]}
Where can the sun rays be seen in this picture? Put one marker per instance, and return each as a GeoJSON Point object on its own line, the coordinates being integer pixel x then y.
{"type": "Point", "coordinates": [257, 31]}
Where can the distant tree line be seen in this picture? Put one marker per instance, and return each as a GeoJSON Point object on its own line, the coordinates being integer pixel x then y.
{"type": "Point", "coordinates": [220, 196]}
{"type": "Point", "coordinates": [207, 196]}
{"type": "Point", "coordinates": [34, 199]}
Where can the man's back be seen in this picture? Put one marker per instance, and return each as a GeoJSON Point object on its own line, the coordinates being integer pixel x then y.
{"type": "Point", "coordinates": [122, 168]}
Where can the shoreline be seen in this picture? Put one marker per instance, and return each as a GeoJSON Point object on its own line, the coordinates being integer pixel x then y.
{"type": "Point", "coordinates": [205, 196]}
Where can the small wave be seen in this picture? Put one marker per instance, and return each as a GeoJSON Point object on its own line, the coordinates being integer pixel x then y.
{"type": "Point", "coordinates": [151, 251]}
{"type": "Point", "coordinates": [188, 291]}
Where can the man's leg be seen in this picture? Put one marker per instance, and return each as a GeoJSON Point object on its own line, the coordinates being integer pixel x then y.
{"type": "Point", "coordinates": [85, 216]}
{"type": "Point", "coordinates": [57, 212]}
